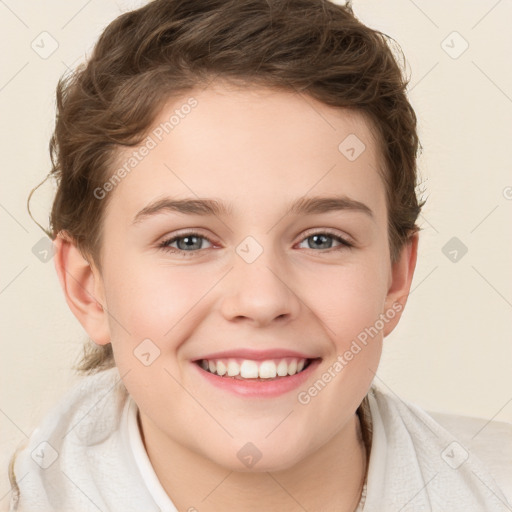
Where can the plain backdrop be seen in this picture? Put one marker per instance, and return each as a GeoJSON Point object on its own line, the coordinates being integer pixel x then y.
{"type": "Point", "coordinates": [450, 353]}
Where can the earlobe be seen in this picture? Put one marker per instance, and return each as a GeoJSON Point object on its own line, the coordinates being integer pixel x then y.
{"type": "Point", "coordinates": [83, 289]}
{"type": "Point", "coordinates": [402, 272]}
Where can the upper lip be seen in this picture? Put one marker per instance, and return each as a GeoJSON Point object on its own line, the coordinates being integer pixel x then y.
{"type": "Point", "coordinates": [257, 355]}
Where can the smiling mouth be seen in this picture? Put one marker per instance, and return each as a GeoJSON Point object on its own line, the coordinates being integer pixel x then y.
{"type": "Point", "coordinates": [247, 369]}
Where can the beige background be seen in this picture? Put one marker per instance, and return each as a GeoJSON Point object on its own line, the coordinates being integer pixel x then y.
{"type": "Point", "coordinates": [452, 350]}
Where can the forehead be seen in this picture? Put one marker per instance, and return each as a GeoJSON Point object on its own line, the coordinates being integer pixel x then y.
{"type": "Point", "coordinates": [254, 147]}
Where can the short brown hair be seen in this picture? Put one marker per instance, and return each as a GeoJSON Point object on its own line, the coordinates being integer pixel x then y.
{"type": "Point", "coordinates": [168, 47]}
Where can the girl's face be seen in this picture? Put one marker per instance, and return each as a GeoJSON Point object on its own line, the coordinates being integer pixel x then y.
{"type": "Point", "coordinates": [251, 233]}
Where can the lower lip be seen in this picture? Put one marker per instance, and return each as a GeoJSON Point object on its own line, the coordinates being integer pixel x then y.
{"type": "Point", "coordinates": [259, 388]}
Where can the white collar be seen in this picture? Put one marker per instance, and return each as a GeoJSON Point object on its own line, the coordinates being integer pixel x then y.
{"type": "Point", "coordinates": [131, 436]}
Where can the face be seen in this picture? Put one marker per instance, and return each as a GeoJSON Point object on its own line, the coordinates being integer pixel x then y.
{"type": "Point", "coordinates": [284, 274]}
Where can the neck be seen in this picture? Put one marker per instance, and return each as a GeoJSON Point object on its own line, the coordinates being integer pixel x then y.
{"type": "Point", "coordinates": [330, 478]}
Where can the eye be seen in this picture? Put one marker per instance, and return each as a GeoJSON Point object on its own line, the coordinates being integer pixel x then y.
{"type": "Point", "coordinates": [324, 240]}
{"type": "Point", "coordinates": [192, 242]}
{"type": "Point", "coordinates": [187, 242]}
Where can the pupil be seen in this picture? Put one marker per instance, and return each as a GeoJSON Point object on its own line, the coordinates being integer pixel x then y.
{"type": "Point", "coordinates": [322, 241]}
{"type": "Point", "coordinates": [190, 241]}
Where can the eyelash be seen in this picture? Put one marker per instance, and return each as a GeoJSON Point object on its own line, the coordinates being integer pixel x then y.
{"type": "Point", "coordinates": [165, 245]}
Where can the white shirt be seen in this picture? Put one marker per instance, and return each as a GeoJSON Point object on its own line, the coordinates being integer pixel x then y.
{"type": "Point", "coordinates": [133, 441]}
{"type": "Point", "coordinates": [88, 455]}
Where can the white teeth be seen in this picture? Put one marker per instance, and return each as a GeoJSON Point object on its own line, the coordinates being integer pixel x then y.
{"type": "Point", "coordinates": [268, 370]}
{"type": "Point", "coordinates": [233, 368]}
{"type": "Point", "coordinates": [282, 369]}
{"type": "Point", "coordinates": [221, 368]}
{"type": "Point", "coordinates": [251, 369]}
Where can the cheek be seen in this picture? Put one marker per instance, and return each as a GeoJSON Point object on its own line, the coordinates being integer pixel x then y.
{"type": "Point", "coordinates": [153, 309]}
{"type": "Point", "coordinates": [152, 301]}
{"type": "Point", "coordinates": [352, 300]}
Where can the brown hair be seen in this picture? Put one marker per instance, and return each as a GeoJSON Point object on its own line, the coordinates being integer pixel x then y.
{"type": "Point", "coordinates": [168, 47]}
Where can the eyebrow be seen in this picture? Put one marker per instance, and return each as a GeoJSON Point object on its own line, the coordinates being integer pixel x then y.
{"type": "Point", "coordinates": [214, 207]}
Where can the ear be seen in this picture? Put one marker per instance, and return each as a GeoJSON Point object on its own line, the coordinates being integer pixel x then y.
{"type": "Point", "coordinates": [402, 271]}
{"type": "Point", "coordinates": [83, 288]}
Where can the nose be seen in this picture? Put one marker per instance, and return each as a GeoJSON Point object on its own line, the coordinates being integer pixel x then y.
{"type": "Point", "coordinates": [260, 291]}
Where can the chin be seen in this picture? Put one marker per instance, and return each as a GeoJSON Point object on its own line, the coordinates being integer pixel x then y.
{"type": "Point", "coordinates": [254, 457]}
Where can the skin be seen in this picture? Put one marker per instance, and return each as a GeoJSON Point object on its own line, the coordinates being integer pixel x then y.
{"type": "Point", "coordinates": [265, 149]}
